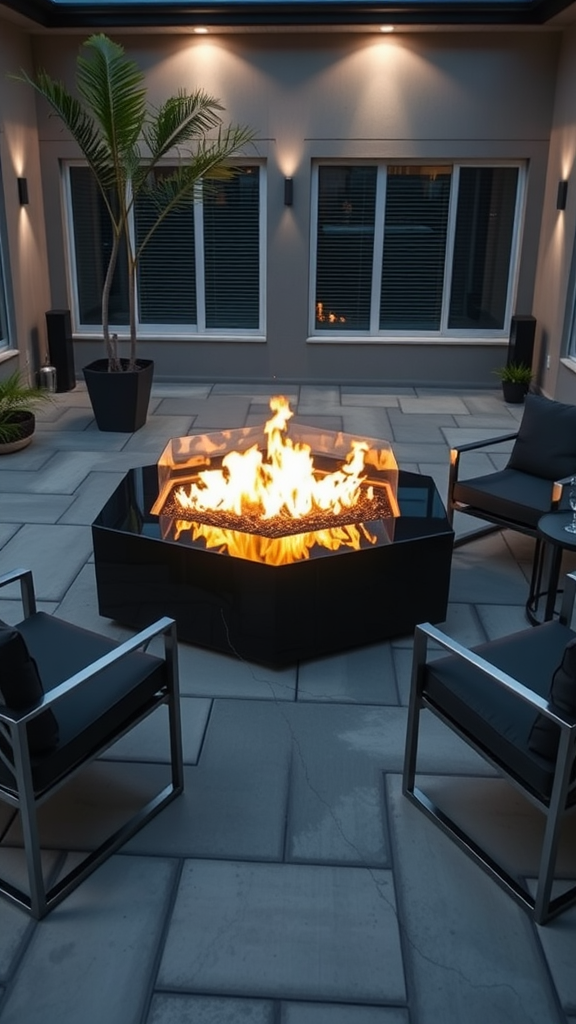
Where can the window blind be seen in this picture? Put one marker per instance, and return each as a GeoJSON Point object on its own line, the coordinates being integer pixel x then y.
{"type": "Point", "coordinates": [345, 244]}
{"type": "Point", "coordinates": [167, 265]}
{"type": "Point", "coordinates": [231, 211]}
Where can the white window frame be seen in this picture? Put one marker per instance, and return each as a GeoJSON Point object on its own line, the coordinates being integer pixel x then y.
{"type": "Point", "coordinates": [168, 331]}
{"type": "Point", "coordinates": [444, 333]}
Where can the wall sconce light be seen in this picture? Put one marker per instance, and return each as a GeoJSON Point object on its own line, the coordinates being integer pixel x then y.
{"type": "Point", "coordinates": [562, 195]}
{"type": "Point", "coordinates": [23, 191]}
{"type": "Point", "coordinates": [288, 191]}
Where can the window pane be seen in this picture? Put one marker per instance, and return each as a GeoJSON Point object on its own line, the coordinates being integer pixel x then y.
{"type": "Point", "coordinates": [166, 273]}
{"type": "Point", "coordinates": [345, 244]}
{"type": "Point", "coordinates": [482, 247]}
{"type": "Point", "coordinates": [415, 225]}
{"type": "Point", "coordinates": [232, 251]}
{"type": "Point", "coordinates": [92, 248]}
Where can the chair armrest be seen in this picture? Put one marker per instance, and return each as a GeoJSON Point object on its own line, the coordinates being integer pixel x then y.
{"type": "Point", "coordinates": [471, 446]}
{"type": "Point", "coordinates": [507, 682]}
{"type": "Point", "coordinates": [166, 626]}
{"type": "Point", "coordinates": [27, 595]}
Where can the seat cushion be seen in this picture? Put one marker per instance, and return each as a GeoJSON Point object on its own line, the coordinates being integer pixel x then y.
{"type": "Point", "coordinates": [508, 496]}
{"type": "Point", "coordinates": [21, 689]}
{"type": "Point", "coordinates": [91, 714]}
{"type": "Point", "coordinates": [545, 735]}
{"type": "Point", "coordinates": [491, 715]}
{"type": "Point", "coordinates": [546, 441]}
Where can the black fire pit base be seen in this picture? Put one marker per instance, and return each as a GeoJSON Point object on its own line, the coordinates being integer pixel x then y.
{"type": "Point", "coordinates": [273, 615]}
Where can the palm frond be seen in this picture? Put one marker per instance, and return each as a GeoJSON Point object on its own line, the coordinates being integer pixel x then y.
{"type": "Point", "coordinates": [181, 119]}
{"type": "Point", "coordinates": [77, 120]}
{"type": "Point", "coordinates": [113, 87]}
{"type": "Point", "coordinates": [16, 395]}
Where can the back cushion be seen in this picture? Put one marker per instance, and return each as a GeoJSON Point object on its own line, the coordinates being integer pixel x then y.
{"type": "Point", "coordinates": [545, 734]}
{"type": "Point", "coordinates": [21, 688]}
{"type": "Point", "coordinates": [546, 442]}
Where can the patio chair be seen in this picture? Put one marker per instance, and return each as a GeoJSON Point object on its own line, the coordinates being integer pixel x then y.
{"type": "Point", "coordinates": [67, 694]}
{"type": "Point", "coordinates": [514, 701]}
{"type": "Point", "coordinates": [543, 458]}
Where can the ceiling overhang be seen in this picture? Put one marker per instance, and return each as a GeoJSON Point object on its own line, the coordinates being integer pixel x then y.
{"type": "Point", "coordinates": [94, 14]}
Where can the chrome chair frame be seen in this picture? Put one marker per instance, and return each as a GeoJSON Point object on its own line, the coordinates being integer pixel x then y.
{"type": "Point", "coordinates": [541, 906]}
{"type": "Point", "coordinates": [13, 726]}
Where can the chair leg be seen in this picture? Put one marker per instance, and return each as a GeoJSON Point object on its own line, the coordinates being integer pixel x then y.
{"type": "Point", "coordinates": [29, 822]}
{"type": "Point", "coordinates": [413, 724]}
{"type": "Point", "coordinates": [556, 809]}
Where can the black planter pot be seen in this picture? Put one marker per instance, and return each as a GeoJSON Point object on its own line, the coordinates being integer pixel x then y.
{"type": "Point", "coordinates": [119, 400]}
{"type": "Point", "coordinates": [514, 393]}
{"type": "Point", "coordinates": [24, 423]}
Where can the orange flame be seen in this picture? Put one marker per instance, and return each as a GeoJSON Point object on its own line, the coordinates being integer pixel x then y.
{"type": "Point", "coordinates": [274, 550]}
{"type": "Point", "coordinates": [285, 483]}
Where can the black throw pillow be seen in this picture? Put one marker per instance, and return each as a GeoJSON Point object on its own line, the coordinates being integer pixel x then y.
{"type": "Point", "coordinates": [21, 688]}
{"type": "Point", "coordinates": [546, 442]}
{"type": "Point", "coordinates": [545, 735]}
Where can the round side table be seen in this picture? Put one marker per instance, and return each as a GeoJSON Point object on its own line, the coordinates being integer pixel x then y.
{"type": "Point", "coordinates": [551, 541]}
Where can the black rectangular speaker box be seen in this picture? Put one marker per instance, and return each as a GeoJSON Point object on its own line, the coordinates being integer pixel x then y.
{"type": "Point", "coordinates": [59, 328]}
{"type": "Point", "coordinates": [521, 340]}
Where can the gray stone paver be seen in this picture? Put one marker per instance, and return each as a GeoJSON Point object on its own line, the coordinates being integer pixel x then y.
{"type": "Point", "coordinates": [314, 1013]}
{"type": "Point", "coordinates": [333, 935]}
{"type": "Point", "coordinates": [292, 837]}
{"type": "Point", "coordinates": [361, 676]}
{"type": "Point", "coordinates": [90, 961]}
{"type": "Point", "coordinates": [483, 963]}
{"type": "Point", "coordinates": [184, 1009]}
{"type": "Point", "coordinates": [55, 554]}
{"type": "Point", "coordinates": [29, 508]}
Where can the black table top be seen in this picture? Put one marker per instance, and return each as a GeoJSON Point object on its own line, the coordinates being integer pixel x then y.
{"type": "Point", "coordinates": [552, 529]}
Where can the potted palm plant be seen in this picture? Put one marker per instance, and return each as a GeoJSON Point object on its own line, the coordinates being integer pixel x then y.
{"type": "Point", "coordinates": [516, 379]}
{"type": "Point", "coordinates": [17, 421]}
{"type": "Point", "coordinates": [125, 142]}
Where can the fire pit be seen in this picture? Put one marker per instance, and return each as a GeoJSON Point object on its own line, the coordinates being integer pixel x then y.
{"type": "Point", "coordinates": [275, 545]}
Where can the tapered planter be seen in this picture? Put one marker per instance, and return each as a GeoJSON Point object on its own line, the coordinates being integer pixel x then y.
{"type": "Point", "coordinates": [119, 400]}
{"type": "Point", "coordinates": [514, 393]}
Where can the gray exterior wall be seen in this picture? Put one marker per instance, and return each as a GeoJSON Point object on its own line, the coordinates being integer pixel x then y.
{"type": "Point", "coordinates": [555, 290]}
{"type": "Point", "coordinates": [445, 95]}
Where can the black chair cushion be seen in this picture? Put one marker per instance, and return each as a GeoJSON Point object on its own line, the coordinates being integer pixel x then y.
{"type": "Point", "coordinates": [545, 735]}
{"type": "Point", "coordinates": [90, 714]}
{"type": "Point", "coordinates": [546, 442]}
{"type": "Point", "coordinates": [496, 719]}
{"type": "Point", "coordinates": [508, 496]}
{"type": "Point", "coordinates": [21, 689]}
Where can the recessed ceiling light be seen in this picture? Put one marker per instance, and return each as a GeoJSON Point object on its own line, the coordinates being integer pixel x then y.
{"type": "Point", "coordinates": [386, 28]}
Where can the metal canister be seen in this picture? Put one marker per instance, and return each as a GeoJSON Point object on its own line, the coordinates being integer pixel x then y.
{"type": "Point", "coordinates": [48, 378]}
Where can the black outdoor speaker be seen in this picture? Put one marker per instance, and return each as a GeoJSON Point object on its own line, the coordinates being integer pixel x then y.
{"type": "Point", "coordinates": [59, 327]}
{"type": "Point", "coordinates": [521, 341]}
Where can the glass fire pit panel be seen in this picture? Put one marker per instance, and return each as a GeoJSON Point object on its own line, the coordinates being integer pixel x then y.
{"type": "Point", "coordinates": [341, 494]}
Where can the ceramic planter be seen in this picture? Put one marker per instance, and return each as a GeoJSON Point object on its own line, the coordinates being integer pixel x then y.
{"type": "Point", "coordinates": [119, 400]}
{"type": "Point", "coordinates": [26, 422]}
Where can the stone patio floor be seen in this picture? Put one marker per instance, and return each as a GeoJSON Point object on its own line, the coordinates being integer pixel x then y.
{"type": "Point", "coordinates": [291, 883]}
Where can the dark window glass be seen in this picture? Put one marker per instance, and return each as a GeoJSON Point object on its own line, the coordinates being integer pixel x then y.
{"type": "Point", "coordinates": [482, 247]}
{"type": "Point", "coordinates": [415, 225]}
{"type": "Point", "coordinates": [345, 247]}
{"type": "Point", "coordinates": [92, 248]}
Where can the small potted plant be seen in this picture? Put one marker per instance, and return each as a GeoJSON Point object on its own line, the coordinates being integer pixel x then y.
{"type": "Point", "coordinates": [17, 420]}
{"type": "Point", "coordinates": [516, 379]}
